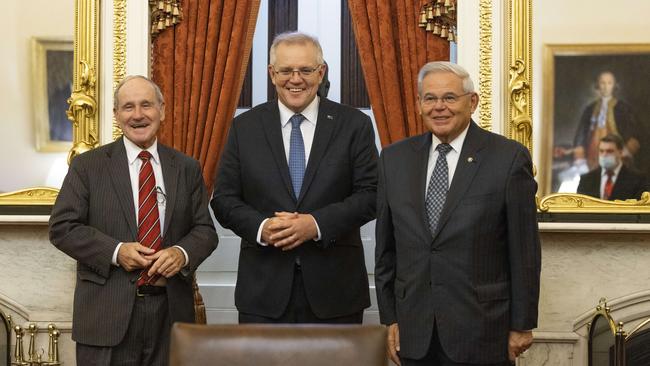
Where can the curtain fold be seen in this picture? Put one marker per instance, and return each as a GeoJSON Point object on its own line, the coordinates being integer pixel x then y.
{"type": "Point", "coordinates": [392, 48]}
{"type": "Point", "coordinates": [200, 66]}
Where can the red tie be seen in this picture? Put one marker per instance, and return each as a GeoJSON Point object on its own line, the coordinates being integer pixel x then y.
{"type": "Point", "coordinates": [148, 217]}
{"type": "Point", "coordinates": [609, 185]}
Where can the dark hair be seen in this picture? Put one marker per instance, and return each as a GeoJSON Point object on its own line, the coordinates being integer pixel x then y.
{"type": "Point", "coordinates": [615, 139]}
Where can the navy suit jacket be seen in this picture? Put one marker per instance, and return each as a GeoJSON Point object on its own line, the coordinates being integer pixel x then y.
{"type": "Point", "coordinates": [94, 211]}
{"type": "Point", "coordinates": [477, 277]}
{"type": "Point", "coordinates": [339, 190]}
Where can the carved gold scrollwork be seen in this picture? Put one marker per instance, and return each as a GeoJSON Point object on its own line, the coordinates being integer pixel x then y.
{"type": "Point", "coordinates": [519, 124]}
{"type": "Point", "coordinates": [30, 196]}
{"type": "Point", "coordinates": [570, 202]}
{"type": "Point", "coordinates": [519, 88]}
{"type": "Point", "coordinates": [83, 101]}
{"type": "Point", "coordinates": [485, 65]}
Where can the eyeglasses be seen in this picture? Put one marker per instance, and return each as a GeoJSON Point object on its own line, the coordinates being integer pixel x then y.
{"type": "Point", "coordinates": [161, 197]}
{"type": "Point", "coordinates": [430, 100]}
{"type": "Point", "coordinates": [286, 73]}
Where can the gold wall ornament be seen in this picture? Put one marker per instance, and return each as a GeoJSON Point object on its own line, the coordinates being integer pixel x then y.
{"type": "Point", "coordinates": [520, 112]}
{"type": "Point", "coordinates": [485, 64]}
{"type": "Point", "coordinates": [85, 89]}
{"type": "Point", "coordinates": [119, 52]}
{"type": "Point", "coordinates": [572, 202]}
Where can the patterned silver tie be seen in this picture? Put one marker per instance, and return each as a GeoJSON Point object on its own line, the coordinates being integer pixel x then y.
{"type": "Point", "coordinates": [296, 154]}
{"type": "Point", "coordinates": [438, 187]}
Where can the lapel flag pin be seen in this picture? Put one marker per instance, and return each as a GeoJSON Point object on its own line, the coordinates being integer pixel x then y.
{"type": "Point", "coordinates": [470, 159]}
{"type": "Point", "coordinates": [329, 116]}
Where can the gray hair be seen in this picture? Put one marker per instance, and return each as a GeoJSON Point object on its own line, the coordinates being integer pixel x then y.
{"type": "Point", "coordinates": [159, 95]}
{"type": "Point", "coordinates": [445, 66]}
{"type": "Point", "coordinates": [294, 37]}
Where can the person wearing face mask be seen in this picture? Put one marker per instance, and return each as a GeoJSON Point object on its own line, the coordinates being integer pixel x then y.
{"type": "Point", "coordinates": [612, 180]}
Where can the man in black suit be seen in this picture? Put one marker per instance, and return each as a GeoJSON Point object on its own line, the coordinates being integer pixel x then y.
{"type": "Point", "coordinates": [458, 255]}
{"type": "Point", "coordinates": [612, 180]}
{"type": "Point", "coordinates": [134, 214]}
{"type": "Point", "coordinates": [296, 181]}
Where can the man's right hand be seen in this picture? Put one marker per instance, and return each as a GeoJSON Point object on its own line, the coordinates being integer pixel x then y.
{"type": "Point", "coordinates": [393, 343]}
{"type": "Point", "coordinates": [130, 256]}
{"type": "Point", "coordinates": [274, 225]}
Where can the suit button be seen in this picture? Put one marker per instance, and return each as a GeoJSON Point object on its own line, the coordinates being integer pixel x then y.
{"type": "Point", "coordinates": [332, 241]}
{"type": "Point", "coordinates": [132, 280]}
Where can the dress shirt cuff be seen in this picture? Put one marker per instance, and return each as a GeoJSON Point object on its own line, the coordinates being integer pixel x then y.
{"type": "Point", "coordinates": [187, 259]}
{"type": "Point", "coordinates": [114, 259]}
{"type": "Point", "coordinates": [319, 237]}
{"type": "Point", "coordinates": [259, 234]}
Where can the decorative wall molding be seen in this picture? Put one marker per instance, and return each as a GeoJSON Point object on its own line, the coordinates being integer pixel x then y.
{"type": "Point", "coordinates": [485, 64]}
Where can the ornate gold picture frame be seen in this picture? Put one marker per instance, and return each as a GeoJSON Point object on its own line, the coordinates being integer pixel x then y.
{"type": "Point", "coordinates": [570, 91]}
{"type": "Point", "coordinates": [51, 87]}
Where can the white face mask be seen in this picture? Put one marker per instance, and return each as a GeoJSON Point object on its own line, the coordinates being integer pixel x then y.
{"type": "Point", "coordinates": [607, 162]}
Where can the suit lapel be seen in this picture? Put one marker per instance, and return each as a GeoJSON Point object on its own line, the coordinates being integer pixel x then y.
{"type": "Point", "coordinates": [273, 129]}
{"type": "Point", "coordinates": [327, 120]}
{"type": "Point", "coordinates": [422, 147]}
{"type": "Point", "coordinates": [468, 164]}
{"type": "Point", "coordinates": [170, 173]}
{"type": "Point", "coordinates": [120, 177]}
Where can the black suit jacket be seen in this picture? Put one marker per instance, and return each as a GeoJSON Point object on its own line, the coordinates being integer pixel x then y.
{"type": "Point", "coordinates": [478, 276]}
{"type": "Point", "coordinates": [629, 184]}
{"type": "Point", "coordinates": [339, 190]}
{"type": "Point", "coordinates": [94, 211]}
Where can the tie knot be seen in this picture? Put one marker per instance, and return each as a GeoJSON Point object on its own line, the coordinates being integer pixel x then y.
{"type": "Point", "coordinates": [443, 149]}
{"type": "Point", "coordinates": [609, 173]}
{"type": "Point", "coordinates": [296, 120]}
{"type": "Point", "coordinates": [144, 155]}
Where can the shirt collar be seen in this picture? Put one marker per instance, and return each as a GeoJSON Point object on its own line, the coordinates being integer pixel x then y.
{"type": "Point", "coordinates": [603, 172]}
{"type": "Point", "coordinates": [132, 151]}
{"type": "Point", "coordinates": [310, 112]}
{"type": "Point", "coordinates": [456, 144]}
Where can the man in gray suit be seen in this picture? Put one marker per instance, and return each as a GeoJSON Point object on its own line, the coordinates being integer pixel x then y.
{"type": "Point", "coordinates": [458, 254]}
{"type": "Point", "coordinates": [135, 262]}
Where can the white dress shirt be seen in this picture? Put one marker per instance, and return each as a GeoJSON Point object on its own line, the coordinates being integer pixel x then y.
{"type": "Point", "coordinates": [452, 156]}
{"type": "Point", "coordinates": [307, 129]}
{"type": "Point", "coordinates": [135, 163]}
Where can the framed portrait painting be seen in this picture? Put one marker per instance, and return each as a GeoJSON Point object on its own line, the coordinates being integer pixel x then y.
{"type": "Point", "coordinates": [51, 88]}
{"type": "Point", "coordinates": [591, 91]}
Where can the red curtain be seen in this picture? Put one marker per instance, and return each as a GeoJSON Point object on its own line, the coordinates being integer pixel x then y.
{"type": "Point", "coordinates": [392, 48]}
{"type": "Point", "coordinates": [200, 66]}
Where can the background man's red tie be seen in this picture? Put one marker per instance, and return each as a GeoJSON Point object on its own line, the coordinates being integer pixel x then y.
{"type": "Point", "coordinates": [148, 217]}
{"type": "Point", "coordinates": [609, 186]}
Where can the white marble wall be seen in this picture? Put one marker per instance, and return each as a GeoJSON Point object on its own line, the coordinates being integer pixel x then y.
{"type": "Point", "coordinates": [578, 268]}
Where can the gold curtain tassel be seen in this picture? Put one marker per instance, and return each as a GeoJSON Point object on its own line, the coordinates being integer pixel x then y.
{"type": "Point", "coordinates": [429, 12]}
{"type": "Point", "coordinates": [168, 21]}
{"type": "Point", "coordinates": [447, 3]}
{"type": "Point", "coordinates": [437, 11]}
{"type": "Point", "coordinates": [429, 27]}
{"type": "Point", "coordinates": [436, 29]}
{"type": "Point", "coordinates": [444, 32]}
{"type": "Point", "coordinates": [161, 24]}
{"type": "Point", "coordinates": [451, 37]}
{"type": "Point", "coordinates": [423, 18]}
{"type": "Point", "coordinates": [176, 12]}
{"type": "Point", "coordinates": [161, 4]}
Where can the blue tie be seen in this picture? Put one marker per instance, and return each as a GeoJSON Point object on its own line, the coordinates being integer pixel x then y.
{"type": "Point", "coordinates": [296, 154]}
{"type": "Point", "coordinates": [438, 186]}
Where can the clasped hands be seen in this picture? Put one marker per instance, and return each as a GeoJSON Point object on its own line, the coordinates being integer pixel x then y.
{"type": "Point", "coordinates": [165, 262]}
{"type": "Point", "coordinates": [288, 230]}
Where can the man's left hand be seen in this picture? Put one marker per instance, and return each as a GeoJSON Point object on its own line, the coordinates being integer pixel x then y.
{"type": "Point", "coordinates": [166, 262]}
{"type": "Point", "coordinates": [518, 342]}
{"type": "Point", "coordinates": [297, 229]}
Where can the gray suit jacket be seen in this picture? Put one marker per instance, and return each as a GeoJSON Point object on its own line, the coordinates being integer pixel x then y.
{"type": "Point", "coordinates": [477, 277]}
{"type": "Point", "coordinates": [95, 211]}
